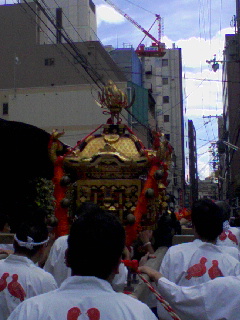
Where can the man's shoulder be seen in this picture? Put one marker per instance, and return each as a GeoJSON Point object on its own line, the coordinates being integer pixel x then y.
{"type": "Point", "coordinates": [181, 247]}
{"type": "Point", "coordinates": [40, 273]}
{"type": "Point", "coordinates": [60, 243]}
{"type": "Point", "coordinates": [61, 240]}
{"type": "Point", "coordinates": [229, 249]}
{"type": "Point", "coordinates": [125, 300]}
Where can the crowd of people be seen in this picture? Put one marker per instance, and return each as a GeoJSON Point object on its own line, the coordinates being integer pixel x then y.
{"type": "Point", "coordinates": [83, 276]}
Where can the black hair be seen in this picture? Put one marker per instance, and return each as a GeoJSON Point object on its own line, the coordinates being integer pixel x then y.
{"type": "Point", "coordinates": [225, 208]}
{"type": "Point", "coordinates": [167, 226]}
{"type": "Point", "coordinates": [95, 244]}
{"type": "Point", "coordinates": [86, 207]}
{"type": "Point", "coordinates": [35, 229]}
{"type": "Point", "coordinates": [207, 219]}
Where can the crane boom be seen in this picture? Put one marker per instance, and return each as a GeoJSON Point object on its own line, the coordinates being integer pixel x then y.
{"type": "Point", "coordinates": [133, 21]}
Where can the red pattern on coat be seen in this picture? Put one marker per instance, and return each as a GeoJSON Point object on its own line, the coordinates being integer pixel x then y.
{"type": "Point", "coordinates": [215, 271]}
{"type": "Point", "coordinates": [3, 281]}
{"type": "Point", "coordinates": [93, 314]}
{"type": "Point", "coordinates": [15, 288]}
{"type": "Point", "coordinates": [232, 237]}
{"type": "Point", "coordinates": [223, 236]}
{"type": "Point", "coordinates": [73, 313]}
{"type": "Point", "coordinates": [197, 270]}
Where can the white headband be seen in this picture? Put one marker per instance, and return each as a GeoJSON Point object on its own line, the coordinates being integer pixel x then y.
{"type": "Point", "coordinates": [30, 242]}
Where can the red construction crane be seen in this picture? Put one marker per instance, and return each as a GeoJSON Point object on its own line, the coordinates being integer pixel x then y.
{"type": "Point", "coordinates": [157, 48]}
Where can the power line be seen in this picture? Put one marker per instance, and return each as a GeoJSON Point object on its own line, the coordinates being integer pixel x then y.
{"type": "Point", "coordinates": [62, 44]}
{"type": "Point", "coordinates": [75, 51]}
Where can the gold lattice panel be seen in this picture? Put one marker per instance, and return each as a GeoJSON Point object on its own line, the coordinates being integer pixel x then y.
{"type": "Point", "coordinates": [118, 196]}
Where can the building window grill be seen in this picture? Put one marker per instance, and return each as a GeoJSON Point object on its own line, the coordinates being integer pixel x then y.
{"type": "Point", "coordinates": [49, 62]}
{"type": "Point", "coordinates": [164, 81]}
{"type": "Point", "coordinates": [5, 109]}
{"type": "Point", "coordinates": [164, 62]}
{"type": "Point", "coordinates": [166, 118]}
{"type": "Point", "coordinates": [167, 136]}
{"type": "Point", "coordinates": [165, 99]}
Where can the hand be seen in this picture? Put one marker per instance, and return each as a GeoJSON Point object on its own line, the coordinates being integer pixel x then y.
{"type": "Point", "coordinates": [126, 254]}
{"type": "Point", "coordinates": [145, 258]}
{"type": "Point", "coordinates": [145, 236]}
{"type": "Point", "coordinates": [153, 274]}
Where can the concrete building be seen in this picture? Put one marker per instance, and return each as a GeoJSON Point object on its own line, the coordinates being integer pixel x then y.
{"type": "Point", "coordinates": [193, 171]}
{"type": "Point", "coordinates": [162, 75]}
{"type": "Point", "coordinates": [77, 18]}
{"type": "Point", "coordinates": [51, 86]}
{"type": "Point", "coordinates": [230, 168]}
{"type": "Point", "coordinates": [207, 189]}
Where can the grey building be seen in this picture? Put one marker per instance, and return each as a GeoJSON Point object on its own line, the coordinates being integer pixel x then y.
{"type": "Point", "coordinates": [193, 171]}
{"type": "Point", "coordinates": [51, 85]}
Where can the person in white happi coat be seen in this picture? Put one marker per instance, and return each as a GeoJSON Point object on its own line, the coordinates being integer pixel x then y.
{"type": "Point", "coordinates": [20, 278]}
{"type": "Point", "coordinates": [217, 299]}
{"type": "Point", "coordinates": [230, 236]}
{"type": "Point", "coordinates": [56, 265]}
{"type": "Point", "coordinates": [201, 260]}
{"type": "Point", "coordinates": [196, 262]}
{"type": "Point", "coordinates": [95, 245]}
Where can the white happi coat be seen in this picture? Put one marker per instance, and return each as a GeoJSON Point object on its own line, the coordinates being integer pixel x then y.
{"type": "Point", "coordinates": [218, 299]}
{"type": "Point", "coordinates": [197, 262]}
{"type": "Point", "coordinates": [20, 279]}
{"type": "Point", "coordinates": [229, 237]}
{"type": "Point", "coordinates": [79, 298]}
{"type": "Point", "coordinates": [55, 264]}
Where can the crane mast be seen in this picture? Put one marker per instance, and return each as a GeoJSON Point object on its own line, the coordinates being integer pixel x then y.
{"type": "Point", "coordinates": [157, 43]}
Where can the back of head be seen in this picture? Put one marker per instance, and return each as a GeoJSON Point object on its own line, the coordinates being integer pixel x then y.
{"type": "Point", "coordinates": [86, 207]}
{"type": "Point", "coordinates": [30, 236]}
{"type": "Point", "coordinates": [225, 208]}
{"type": "Point", "coordinates": [207, 219]}
{"type": "Point", "coordinates": [95, 244]}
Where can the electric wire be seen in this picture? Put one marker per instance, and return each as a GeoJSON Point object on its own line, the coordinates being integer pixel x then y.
{"type": "Point", "coordinates": [79, 35]}
{"type": "Point", "coordinates": [62, 44]}
{"type": "Point", "coordinates": [65, 37]}
{"type": "Point", "coordinates": [75, 51]}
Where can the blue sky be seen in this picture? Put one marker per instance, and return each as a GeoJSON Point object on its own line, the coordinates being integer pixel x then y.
{"type": "Point", "coordinates": [196, 26]}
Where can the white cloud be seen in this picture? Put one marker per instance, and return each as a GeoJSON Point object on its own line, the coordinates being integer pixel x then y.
{"type": "Point", "coordinates": [109, 15]}
{"type": "Point", "coordinates": [203, 167]}
{"type": "Point", "coordinates": [204, 90]}
{"type": "Point", "coordinates": [197, 50]}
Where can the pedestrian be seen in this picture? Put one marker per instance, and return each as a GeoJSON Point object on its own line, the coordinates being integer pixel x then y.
{"type": "Point", "coordinates": [95, 245]}
{"type": "Point", "coordinates": [230, 235]}
{"type": "Point", "coordinates": [56, 262]}
{"type": "Point", "coordinates": [201, 260]}
{"type": "Point", "coordinates": [20, 278]}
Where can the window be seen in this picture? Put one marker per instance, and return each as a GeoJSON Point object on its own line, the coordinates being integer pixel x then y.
{"type": "Point", "coordinates": [5, 109]}
{"type": "Point", "coordinates": [167, 136]}
{"type": "Point", "coordinates": [166, 118]}
{"type": "Point", "coordinates": [165, 99]}
{"type": "Point", "coordinates": [164, 62]}
{"type": "Point", "coordinates": [49, 62]}
{"type": "Point", "coordinates": [175, 179]}
{"type": "Point", "coordinates": [164, 81]}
